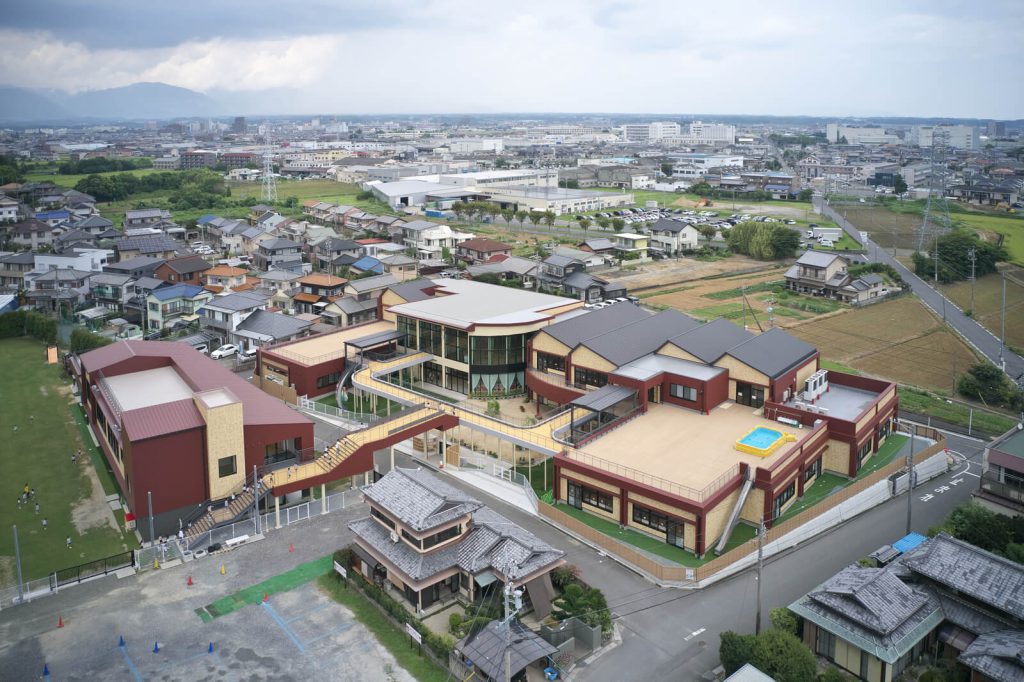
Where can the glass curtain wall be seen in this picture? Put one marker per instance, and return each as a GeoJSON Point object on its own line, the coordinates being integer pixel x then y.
{"type": "Point", "coordinates": [498, 364]}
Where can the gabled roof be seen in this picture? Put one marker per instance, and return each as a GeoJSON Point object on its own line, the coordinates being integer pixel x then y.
{"type": "Point", "coordinates": [666, 225]}
{"type": "Point", "coordinates": [338, 244]}
{"type": "Point", "coordinates": [487, 648]}
{"type": "Point", "coordinates": [178, 291]}
{"type": "Point", "coordinates": [998, 656]}
{"type": "Point", "coordinates": [371, 283]}
{"type": "Point", "coordinates": [279, 243]}
{"type": "Point", "coordinates": [188, 264]}
{"type": "Point", "coordinates": [29, 226]}
{"type": "Point", "coordinates": [319, 279]}
{"type": "Point", "coordinates": [367, 263]}
{"type": "Point", "coordinates": [420, 225]}
{"type": "Point", "coordinates": [599, 244]}
{"type": "Point", "coordinates": [640, 338]}
{"type": "Point", "coordinates": [156, 243]}
{"type": "Point", "coordinates": [273, 325]}
{"type": "Point", "coordinates": [818, 259]}
{"type": "Point", "coordinates": [711, 341]}
{"type": "Point", "coordinates": [773, 352]}
{"type": "Point", "coordinates": [484, 245]}
{"type": "Point", "coordinates": [577, 329]}
{"type": "Point", "coordinates": [236, 301]}
{"type": "Point", "coordinates": [413, 290]}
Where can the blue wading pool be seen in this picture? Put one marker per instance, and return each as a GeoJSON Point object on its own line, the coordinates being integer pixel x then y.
{"type": "Point", "coordinates": [763, 441]}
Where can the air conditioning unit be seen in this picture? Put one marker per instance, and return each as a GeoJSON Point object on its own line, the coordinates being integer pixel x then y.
{"type": "Point", "coordinates": [394, 536]}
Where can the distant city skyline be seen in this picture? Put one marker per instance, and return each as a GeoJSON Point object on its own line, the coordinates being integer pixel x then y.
{"type": "Point", "coordinates": [914, 59]}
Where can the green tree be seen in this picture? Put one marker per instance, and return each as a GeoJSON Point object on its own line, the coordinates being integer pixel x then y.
{"type": "Point", "coordinates": [507, 214]}
{"type": "Point", "coordinates": [783, 656]}
{"type": "Point", "coordinates": [549, 218]}
{"type": "Point", "coordinates": [702, 189]}
{"type": "Point", "coordinates": [987, 383]}
{"type": "Point", "coordinates": [536, 217]}
{"type": "Point", "coordinates": [784, 619]}
{"type": "Point", "coordinates": [735, 650]}
{"type": "Point", "coordinates": [586, 603]}
{"type": "Point", "coordinates": [446, 254]}
{"type": "Point", "coordinates": [899, 185]}
{"type": "Point", "coordinates": [666, 169]}
{"type": "Point", "coordinates": [291, 202]}
{"type": "Point", "coordinates": [773, 164]}
{"type": "Point", "coordinates": [459, 209]}
{"type": "Point", "coordinates": [740, 235]}
{"type": "Point", "coordinates": [585, 224]}
{"type": "Point", "coordinates": [521, 216]}
{"type": "Point", "coordinates": [805, 194]}
{"type": "Point", "coordinates": [618, 224]}
{"type": "Point", "coordinates": [603, 223]}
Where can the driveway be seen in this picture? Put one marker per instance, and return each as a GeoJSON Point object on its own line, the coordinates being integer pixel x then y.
{"type": "Point", "coordinates": [977, 336]}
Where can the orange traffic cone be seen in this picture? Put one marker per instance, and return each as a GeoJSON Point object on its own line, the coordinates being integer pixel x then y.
{"type": "Point", "coordinates": [60, 621]}
{"type": "Point", "coordinates": [265, 598]}
{"type": "Point", "coordinates": [291, 547]}
{"type": "Point", "coordinates": [189, 583]}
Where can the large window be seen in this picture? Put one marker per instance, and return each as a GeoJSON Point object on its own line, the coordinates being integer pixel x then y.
{"type": "Point", "coordinates": [430, 338]}
{"type": "Point", "coordinates": [596, 498]}
{"type": "Point", "coordinates": [407, 327]}
{"type": "Point", "coordinates": [682, 392]}
{"type": "Point", "coordinates": [650, 518]}
{"type": "Point", "coordinates": [380, 516]}
{"type": "Point", "coordinates": [501, 351]}
{"type": "Point", "coordinates": [456, 345]}
{"type": "Point", "coordinates": [443, 536]}
{"type": "Point", "coordinates": [864, 451]}
{"type": "Point", "coordinates": [783, 497]}
{"type": "Point", "coordinates": [546, 361]}
{"type": "Point", "coordinates": [589, 377]}
{"type": "Point", "coordinates": [813, 470]}
{"type": "Point", "coordinates": [227, 466]}
{"type": "Point", "coordinates": [327, 380]}
{"type": "Point", "coordinates": [825, 644]}
{"type": "Point", "coordinates": [456, 380]}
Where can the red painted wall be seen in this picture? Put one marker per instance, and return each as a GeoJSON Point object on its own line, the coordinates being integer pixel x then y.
{"type": "Point", "coordinates": [259, 436]}
{"type": "Point", "coordinates": [303, 377]}
{"type": "Point", "coordinates": [173, 467]}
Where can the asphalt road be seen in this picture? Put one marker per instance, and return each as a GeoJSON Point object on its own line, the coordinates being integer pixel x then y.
{"type": "Point", "coordinates": [976, 335]}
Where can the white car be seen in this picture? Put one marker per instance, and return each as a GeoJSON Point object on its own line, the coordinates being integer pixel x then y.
{"type": "Point", "coordinates": [225, 351]}
{"type": "Point", "coordinates": [247, 353]}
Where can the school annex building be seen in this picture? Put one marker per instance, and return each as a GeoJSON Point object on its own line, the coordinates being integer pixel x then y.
{"type": "Point", "coordinates": [655, 420]}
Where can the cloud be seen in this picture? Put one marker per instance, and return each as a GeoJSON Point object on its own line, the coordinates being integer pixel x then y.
{"type": "Point", "coordinates": [659, 57]}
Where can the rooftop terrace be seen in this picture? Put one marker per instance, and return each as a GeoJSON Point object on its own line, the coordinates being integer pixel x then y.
{"type": "Point", "coordinates": [328, 346]}
{"type": "Point", "coordinates": [681, 450]}
{"type": "Point", "coordinates": [841, 402]}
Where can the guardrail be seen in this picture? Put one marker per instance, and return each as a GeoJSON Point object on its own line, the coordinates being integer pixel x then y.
{"type": "Point", "coordinates": [364, 418]}
{"type": "Point", "coordinates": [498, 469]}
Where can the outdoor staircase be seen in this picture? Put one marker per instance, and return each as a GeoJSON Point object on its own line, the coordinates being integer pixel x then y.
{"type": "Point", "coordinates": [734, 517]}
{"type": "Point", "coordinates": [336, 454]}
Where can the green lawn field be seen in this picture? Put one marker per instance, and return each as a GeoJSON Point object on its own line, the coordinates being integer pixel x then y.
{"type": "Point", "coordinates": [38, 452]}
{"type": "Point", "coordinates": [69, 181]}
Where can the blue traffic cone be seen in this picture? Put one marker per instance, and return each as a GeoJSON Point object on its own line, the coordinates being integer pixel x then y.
{"type": "Point", "coordinates": [156, 647]}
{"type": "Point", "coordinates": [210, 650]}
{"type": "Point", "coordinates": [46, 671]}
{"type": "Point", "coordinates": [120, 642]}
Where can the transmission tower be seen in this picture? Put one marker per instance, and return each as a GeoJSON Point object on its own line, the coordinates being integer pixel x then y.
{"type": "Point", "coordinates": [936, 209]}
{"type": "Point", "coordinates": [269, 183]}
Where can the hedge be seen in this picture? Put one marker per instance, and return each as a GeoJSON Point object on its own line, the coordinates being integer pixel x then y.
{"type": "Point", "coordinates": [28, 323]}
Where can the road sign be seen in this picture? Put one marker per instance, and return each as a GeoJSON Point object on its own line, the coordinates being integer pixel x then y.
{"type": "Point", "coordinates": [414, 633]}
{"type": "Point", "coordinates": [340, 569]}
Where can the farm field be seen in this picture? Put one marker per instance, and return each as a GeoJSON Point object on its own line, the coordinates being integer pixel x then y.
{"type": "Point", "coordinates": [898, 228]}
{"type": "Point", "coordinates": [69, 181]}
{"type": "Point", "coordinates": [40, 433]}
{"type": "Point", "coordinates": [988, 291]}
{"type": "Point", "coordinates": [722, 297]}
{"type": "Point", "coordinates": [900, 340]}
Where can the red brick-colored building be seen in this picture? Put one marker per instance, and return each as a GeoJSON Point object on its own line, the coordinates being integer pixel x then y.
{"type": "Point", "coordinates": [174, 423]}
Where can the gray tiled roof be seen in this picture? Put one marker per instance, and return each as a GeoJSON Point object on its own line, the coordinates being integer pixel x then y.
{"type": "Point", "coordinates": [772, 352]}
{"type": "Point", "coordinates": [817, 259]}
{"type": "Point", "coordinates": [413, 290]}
{"type": "Point", "coordinates": [640, 338]}
{"type": "Point", "coordinates": [974, 572]}
{"type": "Point", "coordinates": [712, 340]}
{"type": "Point", "coordinates": [370, 283]}
{"type": "Point", "coordinates": [577, 329]}
{"type": "Point", "coordinates": [148, 244]}
{"type": "Point", "coordinates": [487, 648]}
{"type": "Point", "coordinates": [274, 325]}
{"type": "Point", "coordinates": [998, 655]}
{"type": "Point", "coordinates": [493, 542]}
{"type": "Point", "coordinates": [419, 500]}
{"type": "Point", "coordinates": [351, 306]}
{"type": "Point", "coordinates": [237, 301]}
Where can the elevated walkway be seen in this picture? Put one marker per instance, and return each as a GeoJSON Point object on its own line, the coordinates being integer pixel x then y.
{"type": "Point", "coordinates": [538, 437]}
{"type": "Point", "coordinates": [353, 453]}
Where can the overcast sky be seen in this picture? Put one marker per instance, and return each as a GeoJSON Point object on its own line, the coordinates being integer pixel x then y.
{"type": "Point", "coordinates": [928, 58]}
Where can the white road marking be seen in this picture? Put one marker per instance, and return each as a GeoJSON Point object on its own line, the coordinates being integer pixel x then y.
{"type": "Point", "coordinates": [956, 481]}
{"type": "Point", "coordinates": [693, 634]}
{"type": "Point", "coordinates": [942, 489]}
{"type": "Point", "coordinates": [927, 497]}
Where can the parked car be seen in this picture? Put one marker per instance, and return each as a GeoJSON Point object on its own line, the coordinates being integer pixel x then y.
{"type": "Point", "coordinates": [225, 351]}
{"type": "Point", "coordinates": [202, 348]}
{"type": "Point", "coordinates": [827, 243]}
{"type": "Point", "coordinates": [247, 353]}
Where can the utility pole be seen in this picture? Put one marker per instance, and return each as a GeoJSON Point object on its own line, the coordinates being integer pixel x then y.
{"type": "Point", "coordinates": [910, 476]}
{"type": "Point", "coordinates": [513, 602]}
{"type": "Point", "coordinates": [760, 566]}
{"type": "Point", "coordinates": [152, 537]}
{"type": "Point", "coordinates": [972, 254]}
{"type": "Point", "coordinates": [743, 293]}
{"type": "Point", "coordinates": [1002, 328]}
{"type": "Point", "coordinates": [17, 561]}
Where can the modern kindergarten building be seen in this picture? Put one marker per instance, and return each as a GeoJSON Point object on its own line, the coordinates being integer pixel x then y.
{"type": "Point", "coordinates": [656, 421]}
{"type": "Point", "coordinates": [174, 423]}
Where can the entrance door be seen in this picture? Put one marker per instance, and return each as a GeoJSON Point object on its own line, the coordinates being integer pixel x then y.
{"type": "Point", "coordinates": [674, 533]}
{"type": "Point", "coordinates": [654, 394]}
{"type": "Point", "coordinates": [574, 496]}
{"type": "Point", "coordinates": [749, 395]}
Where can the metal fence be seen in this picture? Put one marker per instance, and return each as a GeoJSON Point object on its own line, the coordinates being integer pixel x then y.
{"type": "Point", "coordinates": [91, 569]}
{"type": "Point", "coordinates": [472, 461]}
{"type": "Point", "coordinates": [356, 418]}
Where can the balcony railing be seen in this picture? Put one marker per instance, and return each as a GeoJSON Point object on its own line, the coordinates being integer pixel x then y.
{"type": "Point", "coordinates": [1008, 491]}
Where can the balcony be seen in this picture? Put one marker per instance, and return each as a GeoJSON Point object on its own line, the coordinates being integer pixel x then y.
{"type": "Point", "coordinates": [1009, 495]}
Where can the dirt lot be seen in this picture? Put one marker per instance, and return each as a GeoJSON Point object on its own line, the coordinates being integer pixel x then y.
{"type": "Point", "coordinates": [676, 271]}
{"type": "Point", "coordinates": [988, 291]}
{"type": "Point", "coordinates": [899, 340]}
{"type": "Point", "coordinates": [721, 297]}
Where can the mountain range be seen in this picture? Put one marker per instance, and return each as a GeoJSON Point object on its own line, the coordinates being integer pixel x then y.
{"type": "Point", "coordinates": [131, 102]}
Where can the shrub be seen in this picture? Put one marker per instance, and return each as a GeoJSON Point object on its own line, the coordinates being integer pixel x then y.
{"type": "Point", "coordinates": [784, 619]}
{"type": "Point", "coordinates": [454, 623]}
{"type": "Point", "coordinates": [784, 657]}
{"type": "Point", "coordinates": [833, 675]}
{"type": "Point", "coordinates": [565, 575]}
{"type": "Point", "coordinates": [83, 340]}
{"type": "Point", "coordinates": [344, 556]}
{"type": "Point", "coordinates": [735, 650]}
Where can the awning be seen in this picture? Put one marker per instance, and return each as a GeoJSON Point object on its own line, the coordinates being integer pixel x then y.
{"type": "Point", "coordinates": [604, 397]}
{"type": "Point", "coordinates": [957, 638]}
{"type": "Point", "coordinates": [364, 556]}
{"type": "Point", "coordinates": [777, 188]}
{"type": "Point", "coordinates": [375, 339]}
{"type": "Point", "coordinates": [485, 578]}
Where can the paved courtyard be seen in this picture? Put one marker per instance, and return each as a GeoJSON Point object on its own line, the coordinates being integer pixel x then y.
{"type": "Point", "coordinates": [297, 635]}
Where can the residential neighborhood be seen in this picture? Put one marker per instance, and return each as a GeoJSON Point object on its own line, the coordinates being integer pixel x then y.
{"type": "Point", "coordinates": [550, 342]}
